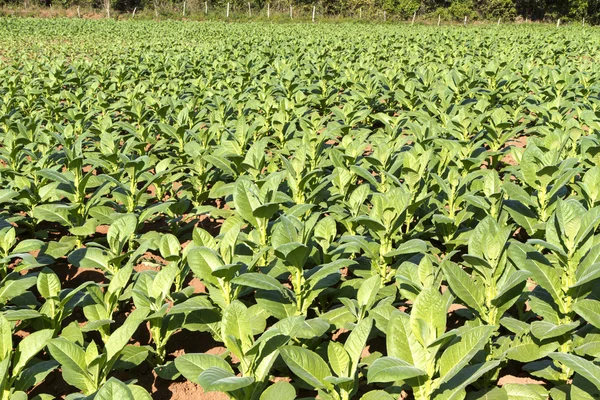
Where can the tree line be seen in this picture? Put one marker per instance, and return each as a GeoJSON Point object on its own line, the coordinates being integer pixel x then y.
{"type": "Point", "coordinates": [508, 10]}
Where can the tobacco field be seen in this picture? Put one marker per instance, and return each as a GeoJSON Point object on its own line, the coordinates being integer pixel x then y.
{"type": "Point", "coordinates": [265, 211]}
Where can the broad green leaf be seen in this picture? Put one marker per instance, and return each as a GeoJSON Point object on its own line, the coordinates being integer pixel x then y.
{"type": "Point", "coordinates": [527, 258]}
{"type": "Point", "coordinates": [464, 287]}
{"type": "Point", "coordinates": [583, 367]}
{"type": "Point", "coordinates": [390, 369]}
{"type": "Point", "coordinates": [377, 395]}
{"type": "Point", "coordinates": [6, 345]}
{"type": "Point", "coordinates": [590, 310]}
{"type": "Point", "coordinates": [402, 343]}
{"type": "Point", "coordinates": [114, 389]}
{"type": "Point", "coordinates": [258, 281]}
{"type": "Point", "coordinates": [72, 359]}
{"type": "Point", "coordinates": [236, 326]}
{"type": "Point", "coordinates": [279, 391]}
{"type": "Point", "coordinates": [517, 391]}
{"type": "Point", "coordinates": [454, 388]}
{"type": "Point", "coordinates": [217, 379]}
{"type": "Point", "coordinates": [368, 291]}
{"type": "Point", "coordinates": [428, 316]}
{"type": "Point", "coordinates": [120, 231]}
{"type": "Point", "coordinates": [547, 330]}
{"type": "Point", "coordinates": [123, 334]}
{"type": "Point", "coordinates": [48, 283]}
{"type": "Point", "coordinates": [192, 365]}
{"type": "Point", "coordinates": [462, 349]}
{"type": "Point", "coordinates": [29, 347]}
{"type": "Point", "coordinates": [525, 349]}
{"type": "Point", "coordinates": [307, 365]}
{"type": "Point", "coordinates": [357, 341]}
{"type": "Point", "coordinates": [338, 359]}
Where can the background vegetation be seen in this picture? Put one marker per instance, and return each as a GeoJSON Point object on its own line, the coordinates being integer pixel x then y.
{"type": "Point", "coordinates": [533, 10]}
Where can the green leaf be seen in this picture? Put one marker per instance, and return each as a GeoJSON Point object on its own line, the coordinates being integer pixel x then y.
{"type": "Point", "coordinates": [163, 281]}
{"type": "Point", "coordinates": [464, 287]}
{"type": "Point", "coordinates": [192, 365]}
{"type": "Point", "coordinates": [15, 285]}
{"type": "Point", "coordinates": [120, 231]}
{"type": "Point", "coordinates": [53, 213]}
{"type": "Point", "coordinates": [258, 281]}
{"type": "Point", "coordinates": [6, 345]}
{"type": "Point", "coordinates": [547, 330]}
{"type": "Point", "coordinates": [72, 359]}
{"type": "Point", "coordinates": [114, 389]}
{"type": "Point", "coordinates": [377, 395]}
{"type": "Point", "coordinates": [131, 356]}
{"type": "Point", "coordinates": [525, 392]}
{"type": "Point", "coordinates": [307, 365]}
{"type": "Point", "coordinates": [139, 393]}
{"type": "Point", "coordinates": [390, 369]}
{"type": "Point", "coordinates": [526, 349]}
{"type": "Point", "coordinates": [217, 379]}
{"type": "Point", "coordinates": [338, 358]}
{"type": "Point", "coordinates": [357, 341]}
{"type": "Point", "coordinates": [589, 310]}
{"type": "Point", "coordinates": [583, 367]}
{"type": "Point", "coordinates": [123, 334]}
{"type": "Point", "coordinates": [527, 258]}
{"type": "Point", "coordinates": [462, 349]}
{"type": "Point", "coordinates": [402, 343]}
{"type": "Point", "coordinates": [34, 375]}
{"type": "Point", "coordinates": [18, 396]}
{"type": "Point", "coordinates": [413, 246]}
{"type": "Point", "coordinates": [90, 257]}
{"type": "Point", "coordinates": [29, 347]}
{"type": "Point", "coordinates": [453, 389]}
{"type": "Point", "coordinates": [294, 254]}
{"type": "Point", "coordinates": [203, 261]}
{"type": "Point", "coordinates": [279, 391]}
{"type": "Point", "coordinates": [236, 326]}
{"type": "Point", "coordinates": [169, 246]}
{"type": "Point", "coordinates": [428, 316]}
{"type": "Point", "coordinates": [48, 283]}
{"type": "Point", "coordinates": [245, 200]}
{"type": "Point", "coordinates": [368, 291]}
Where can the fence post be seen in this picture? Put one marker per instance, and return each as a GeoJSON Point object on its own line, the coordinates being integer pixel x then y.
{"type": "Point", "coordinates": [465, 23]}
{"type": "Point", "coordinates": [499, 19]}
{"type": "Point", "coordinates": [184, 2]}
{"type": "Point", "coordinates": [558, 23]}
{"type": "Point", "coordinates": [439, 19]}
{"type": "Point", "coordinates": [313, 15]}
{"type": "Point", "coordinates": [384, 16]}
{"type": "Point", "coordinates": [291, 12]}
{"type": "Point", "coordinates": [268, 10]}
{"type": "Point", "coordinates": [360, 13]}
{"type": "Point", "coordinates": [78, 14]}
{"type": "Point", "coordinates": [249, 10]}
{"type": "Point", "coordinates": [227, 10]}
{"type": "Point", "coordinates": [413, 20]}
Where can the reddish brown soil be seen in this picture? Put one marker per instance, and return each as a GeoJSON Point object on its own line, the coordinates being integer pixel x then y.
{"type": "Point", "coordinates": [190, 391]}
{"type": "Point", "coordinates": [72, 277]}
{"type": "Point", "coordinates": [522, 380]}
{"type": "Point", "coordinates": [520, 143]}
{"type": "Point", "coordinates": [102, 229]}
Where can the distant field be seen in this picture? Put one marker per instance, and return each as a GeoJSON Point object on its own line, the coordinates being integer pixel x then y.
{"type": "Point", "coordinates": [280, 211]}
